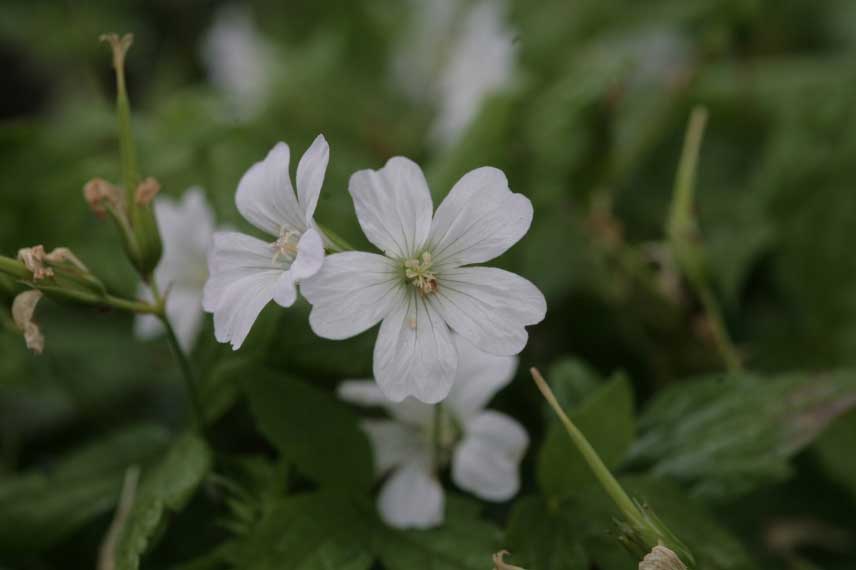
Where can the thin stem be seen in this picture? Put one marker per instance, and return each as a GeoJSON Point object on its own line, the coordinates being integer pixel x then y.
{"type": "Point", "coordinates": [131, 306]}
{"type": "Point", "coordinates": [187, 374]}
{"type": "Point", "coordinates": [14, 268]}
{"type": "Point", "coordinates": [337, 243]}
{"type": "Point", "coordinates": [624, 503]}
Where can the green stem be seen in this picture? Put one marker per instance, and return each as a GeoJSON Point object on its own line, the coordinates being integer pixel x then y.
{"type": "Point", "coordinates": [336, 241]}
{"type": "Point", "coordinates": [14, 268]}
{"type": "Point", "coordinates": [624, 503]}
{"type": "Point", "coordinates": [128, 154]}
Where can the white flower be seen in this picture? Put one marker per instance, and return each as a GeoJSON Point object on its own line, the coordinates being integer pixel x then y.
{"type": "Point", "coordinates": [238, 59]}
{"type": "Point", "coordinates": [246, 272]}
{"type": "Point", "coordinates": [422, 287]}
{"type": "Point", "coordinates": [484, 447]}
{"type": "Point", "coordinates": [457, 54]}
{"type": "Point", "coordinates": [186, 227]}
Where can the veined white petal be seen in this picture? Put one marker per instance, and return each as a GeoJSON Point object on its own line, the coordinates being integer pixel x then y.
{"type": "Point", "coordinates": [184, 309]}
{"type": "Point", "coordinates": [489, 307]}
{"type": "Point", "coordinates": [410, 411]}
{"type": "Point", "coordinates": [394, 444]}
{"type": "Point", "coordinates": [393, 206]}
{"type": "Point", "coordinates": [310, 176]}
{"type": "Point", "coordinates": [265, 196]}
{"type": "Point", "coordinates": [412, 498]}
{"type": "Point", "coordinates": [414, 354]}
{"type": "Point", "coordinates": [147, 327]}
{"type": "Point", "coordinates": [310, 257]}
{"type": "Point", "coordinates": [351, 293]}
{"type": "Point", "coordinates": [480, 376]}
{"type": "Point", "coordinates": [486, 461]}
{"type": "Point", "coordinates": [186, 227]}
{"type": "Point", "coordinates": [241, 303]}
{"type": "Point", "coordinates": [479, 219]}
{"type": "Point", "coordinates": [232, 256]}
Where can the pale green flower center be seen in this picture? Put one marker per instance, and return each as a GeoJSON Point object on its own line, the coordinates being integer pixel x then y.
{"type": "Point", "coordinates": [418, 272]}
{"type": "Point", "coordinates": [285, 247]}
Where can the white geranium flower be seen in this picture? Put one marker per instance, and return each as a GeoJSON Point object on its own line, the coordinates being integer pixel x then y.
{"type": "Point", "coordinates": [186, 227]}
{"type": "Point", "coordinates": [246, 273]}
{"type": "Point", "coordinates": [457, 54]}
{"type": "Point", "coordinates": [422, 288]}
{"type": "Point", "coordinates": [484, 447]}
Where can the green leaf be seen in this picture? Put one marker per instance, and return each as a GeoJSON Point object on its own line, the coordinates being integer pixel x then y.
{"type": "Point", "coordinates": [166, 487]}
{"type": "Point", "coordinates": [41, 508]}
{"type": "Point", "coordinates": [714, 547]}
{"type": "Point", "coordinates": [606, 418]}
{"type": "Point", "coordinates": [313, 430]}
{"type": "Point", "coordinates": [313, 531]}
{"type": "Point", "coordinates": [547, 536]}
{"type": "Point", "coordinates": [726, 435]}
{"type": "Point", "coordinates": [463, 542]}
{"type": "Point", "coordinates": [834, 451]}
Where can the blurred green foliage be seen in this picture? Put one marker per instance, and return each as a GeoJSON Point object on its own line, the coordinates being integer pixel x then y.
{"type": "Point", "coordinates": [591, 132]}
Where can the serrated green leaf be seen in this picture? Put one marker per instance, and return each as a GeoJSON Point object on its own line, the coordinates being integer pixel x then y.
{"type": "Point", "coordinates": [725, 435]}
{"type": "Point", "coordinates": [463, 542]}
{"type": "Point", "coordinates": [166, 487]}
{"type": "Point", "coordinates": [41, 508]}
{"type": "Point", "coordinates": [311, 429]}
{"type": "Point", "coordinates": [606, 418]}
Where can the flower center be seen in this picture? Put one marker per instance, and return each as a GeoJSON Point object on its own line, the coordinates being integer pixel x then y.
{"type": "Point", "coordinates": [285, 246]}
{"type": "Point", "coordinates": [418, 272]}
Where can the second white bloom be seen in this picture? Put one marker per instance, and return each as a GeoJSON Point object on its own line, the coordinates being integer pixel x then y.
{"type": "Point", "coordinates": [422, 288]}
{"type": "Point", "coordinates": [246, 273]}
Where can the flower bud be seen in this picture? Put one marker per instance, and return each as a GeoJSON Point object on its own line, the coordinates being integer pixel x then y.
{"type": "Point", "coordinates": [145, 227]}
{"type": "Point", "coordinates": [102, 197]}
{"type": "Point", "coordinates": [23, 308]}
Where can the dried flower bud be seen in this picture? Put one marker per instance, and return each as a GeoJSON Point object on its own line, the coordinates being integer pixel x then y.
{"type": "Point", "coordinates": [661, 558]}
{"type": "Point", "coordinates": [99, 194]}
{"type": "Point", "coordinates": [34, 259]}
{"type": "Point", "coordinates": [146, 191]}
{"type": "Point", "coordinates": [500, 564]}
{"type": "Point", "coordinates": [23, 308]}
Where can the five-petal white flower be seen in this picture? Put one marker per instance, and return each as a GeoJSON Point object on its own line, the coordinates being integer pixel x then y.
{"type": "Point", "coordinates": [423, 287]}
{"type": "Point", "coordinates": [246, 273]}
{"type": "Point", "coordinates": [485, 447]}
{"type": "Point", "coordinates": [186, 227]}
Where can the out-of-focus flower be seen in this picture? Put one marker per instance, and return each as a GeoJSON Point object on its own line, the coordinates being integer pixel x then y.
{"type": "Point", "coordinates": [484, 447]}
{"type": "Point", "coordinates": [458, 54]}
{"type": "Point", "coordinates": [238, 59]}
{"type": "Point", "coordinates": [423, 287]}
{"type": "Point", "coordinates": [246, 273]}
{"type": "Point", "coordinates": [23, 308]}
{"type": "Point", "coordinates": [186, 227]}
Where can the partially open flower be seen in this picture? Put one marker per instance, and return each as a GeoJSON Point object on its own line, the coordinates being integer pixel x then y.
{"type": "Point", "coordinates": [23, 308]}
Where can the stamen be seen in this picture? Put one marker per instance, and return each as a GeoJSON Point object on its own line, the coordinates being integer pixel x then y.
{"type": "Point", "coordinates": [420, 275]}
{"type": "Point", "coordinates": [285, 246]}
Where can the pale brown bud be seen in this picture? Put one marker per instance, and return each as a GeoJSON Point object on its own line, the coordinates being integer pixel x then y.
{"type": "Point", "coordinates": [63, 255]}
{"type": "Point", "coordinates": [119, 45]}
{"type": "Point", "coordinates": [146, 191]}
{"type": "Point", "coordinates": [33, 259]}
{"type": "Point", "coordinates": [99, 194]}
{"type": "Point", "coordinates": [23, 308]}
{"type": "Point", "coordinates": [500, 564]}
{"type": "Point", "coordinates": [661, 558]}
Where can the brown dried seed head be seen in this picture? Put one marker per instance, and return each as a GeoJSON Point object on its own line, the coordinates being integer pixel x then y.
{"type": "Point", "coordinates": [99, 193]}
{"type": "Point", "coordinates": [33, 259]}
{"type": "Point", "coordinates": [23, 308]}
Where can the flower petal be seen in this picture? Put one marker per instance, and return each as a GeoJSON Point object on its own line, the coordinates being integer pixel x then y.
{"type": "Point", "coordinates": [184, 309]}
{"type": "Point", "coordinates": [410, 411]}
{"type": "Point", "coordinates": [310, 176]}
{"type": "Point", "coordinates": [412, 498]}
{"type": "Point", "coordinates": [351, 293]}
{"type": "Point", "coordinates": [394, 444]}
{"type": "Point", "coordinates": [310, 257]}
{"type": "Point", "coordinates": [489, 307]}
{"type": "Point", "coordinates": [393, 206]}
{"type": "Point", "coordinates": [414, 354]}
{"type": "Point", "coordinates": [479, 219]}
{"type": "Point", "coordinates": [480, 376]}
{"type": "Point", "coordinates": [265, 196]}
{"type": "Point", "coordinates": [486, 461]}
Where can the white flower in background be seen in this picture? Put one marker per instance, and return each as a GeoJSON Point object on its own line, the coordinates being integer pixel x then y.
{"type": "Point", "coordinates": [484, 447]}
{"type": "Point", "coordinates": [238, 59]}
{"type": "Point", "coordinates": [246, 273]}
{"type": "Point", "coordinates": [458, 54]}
{"type": "Point", "coordinates": [186, 227]}
{"type": "Point", "coordinates": [422, 288]}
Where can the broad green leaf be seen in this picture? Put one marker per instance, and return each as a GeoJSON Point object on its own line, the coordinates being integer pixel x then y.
{"type": "Point", "coordinates": [547, 536]}
{"type": "Point", "coordinates": [314, 531]}
{"type": "Point", "coordinates": [713, 547]}
{"type": "Point", "coordinates": [725, 435]}
{"type": "Point", "coordinates": [834, 450]}
{"type": "Point", "coordinates": [572, 381]}
{"type": "Point", "coordinates": [41, 508]}
{"type": "Point", "coordinates": [311, 429]}
{"type": "Point", "coordinates": [165, 488]}
{"type": "Point", "coordinates": [463, 542]}
{"type": "Point", "coordinates": [606, 418]}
